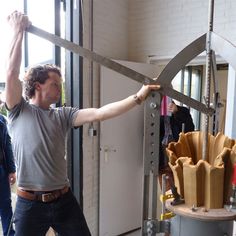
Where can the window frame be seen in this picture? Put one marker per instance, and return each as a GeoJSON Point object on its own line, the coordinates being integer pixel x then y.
{"type": "Point", "coordinates": [183, 82]}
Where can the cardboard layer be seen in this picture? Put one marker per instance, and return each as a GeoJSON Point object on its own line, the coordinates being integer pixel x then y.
{"type": "Point", "coordinates": [203, 182]}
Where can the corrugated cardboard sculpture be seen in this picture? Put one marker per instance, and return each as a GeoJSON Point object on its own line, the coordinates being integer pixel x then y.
{"type": "Point", "coordinates": [203, 182]}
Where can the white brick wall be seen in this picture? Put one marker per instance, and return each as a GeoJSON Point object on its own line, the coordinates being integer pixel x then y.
{"type": "Point", "coordinates": [164, 27]}
{"type": "Point", "coordinates": [111, 28]}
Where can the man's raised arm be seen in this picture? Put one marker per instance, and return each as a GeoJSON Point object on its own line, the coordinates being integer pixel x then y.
{"type": "Point", "coordinates": [19, 23]}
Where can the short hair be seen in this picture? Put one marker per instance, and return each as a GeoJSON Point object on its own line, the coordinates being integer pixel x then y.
{"type": "Point", "coordinates": [38, 74]}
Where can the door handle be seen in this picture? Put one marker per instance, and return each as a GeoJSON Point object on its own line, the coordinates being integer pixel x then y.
{"type": "Point", "coordinates": [107, 150]}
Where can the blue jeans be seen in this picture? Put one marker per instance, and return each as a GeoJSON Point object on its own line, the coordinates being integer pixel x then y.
{"type": "Point", "coordinates": [5, 203]}
{"type": "Point", "coordinates": [33, 218]}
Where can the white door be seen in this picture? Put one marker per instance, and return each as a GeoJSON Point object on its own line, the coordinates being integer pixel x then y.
{"type": "Point", "coordinates": [121, 155]}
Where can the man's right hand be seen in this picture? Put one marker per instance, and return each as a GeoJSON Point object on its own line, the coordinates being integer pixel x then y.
{"type": "Point", "coordinates": [18, 21]}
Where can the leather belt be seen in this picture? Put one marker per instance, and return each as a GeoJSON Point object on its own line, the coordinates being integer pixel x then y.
{"type": "Point", "coordinates": [47, 196]}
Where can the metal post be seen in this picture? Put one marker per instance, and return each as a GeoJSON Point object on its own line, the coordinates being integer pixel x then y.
{"type": "Point", "coordinates": [208, 77]}
{"type": "Point", "coordinates": [151, 163]}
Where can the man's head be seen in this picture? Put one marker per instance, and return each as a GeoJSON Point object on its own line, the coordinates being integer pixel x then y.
{"type": "Point", "coordinates": [38, 75]}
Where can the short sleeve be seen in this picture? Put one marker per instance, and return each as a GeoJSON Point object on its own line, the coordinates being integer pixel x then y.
{"type": "Point", "coordinates": [15, 111]}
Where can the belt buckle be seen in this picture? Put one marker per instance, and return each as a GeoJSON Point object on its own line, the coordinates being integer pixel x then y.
{"type": "Point", "coordinates": [47, 197]}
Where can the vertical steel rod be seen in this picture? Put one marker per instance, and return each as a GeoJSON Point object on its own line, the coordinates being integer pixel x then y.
{"type": "Point", "coordinates": [208, 77]}
{"type": "Point", "coordinates": [154, 196]}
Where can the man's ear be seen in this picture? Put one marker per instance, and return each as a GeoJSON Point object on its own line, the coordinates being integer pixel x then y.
{"type": "Point", "coordinates": [37, 86]}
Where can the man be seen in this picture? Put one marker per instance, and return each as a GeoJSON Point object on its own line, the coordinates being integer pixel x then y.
{"type": "Point", "coordinates": [7, 177]}
{"type": "Point", "coordinates": [39, 135]}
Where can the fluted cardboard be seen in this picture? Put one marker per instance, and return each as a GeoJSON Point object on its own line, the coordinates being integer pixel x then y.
{"type": "Point", "coordinates": [203, 182]}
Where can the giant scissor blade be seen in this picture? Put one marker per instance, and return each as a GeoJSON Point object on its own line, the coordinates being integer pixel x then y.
{"type": "Point", "coordinates": [92, 56]}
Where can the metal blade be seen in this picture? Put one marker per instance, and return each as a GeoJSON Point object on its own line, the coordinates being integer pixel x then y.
{"type": "Point", "coordinates": [92, 56]}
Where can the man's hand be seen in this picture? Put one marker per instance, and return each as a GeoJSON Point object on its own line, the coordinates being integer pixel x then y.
{"type": "Point", "coordinates": [18, 21]}
{"type": "Point", "coordinates": [145, 90]}
{"type": "Point", "coordinates": [12, 178]}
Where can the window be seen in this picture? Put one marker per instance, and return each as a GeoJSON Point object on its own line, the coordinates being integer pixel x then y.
{"type": "Point", "coordinates": [36, 50]}
{"type": "Point", "coordinates": [189, 82]}
{"type": "Point", "coordinates": [7, 8]}
{"type": "Point", "coordinates": [39, 50]}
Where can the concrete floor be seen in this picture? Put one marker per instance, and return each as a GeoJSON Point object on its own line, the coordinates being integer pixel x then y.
{"type": "Point", "coordinates": [138, 233]}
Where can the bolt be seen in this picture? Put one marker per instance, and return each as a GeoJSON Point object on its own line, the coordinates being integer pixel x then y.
{"type": "Point", "coordinates": [153, 105]}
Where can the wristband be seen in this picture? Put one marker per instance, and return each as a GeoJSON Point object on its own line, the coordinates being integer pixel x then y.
{"type": "Point", "coordinates": [137, 100]}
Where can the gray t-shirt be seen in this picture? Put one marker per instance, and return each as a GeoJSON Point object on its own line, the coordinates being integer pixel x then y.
{"type": "Point", "coordinates": [39, 139]}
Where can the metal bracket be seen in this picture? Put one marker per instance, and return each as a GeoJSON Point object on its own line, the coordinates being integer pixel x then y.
{"type": "Point", "coordinates": [152, 227]}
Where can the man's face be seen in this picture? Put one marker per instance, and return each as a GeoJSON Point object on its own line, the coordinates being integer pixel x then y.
{"type": "Point", "coordinates": [51, 89]}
